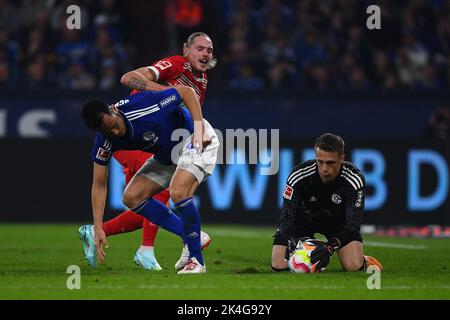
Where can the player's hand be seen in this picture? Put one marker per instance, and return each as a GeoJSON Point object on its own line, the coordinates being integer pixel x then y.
{"type": "Point", "coordinates": [323, 252]}
{"type": "Point", "coordinates": [200, 139]}
{"type": "Point", "coordinates": [322, 256]}
{"type": "Point", "coordinates": [100, 243]}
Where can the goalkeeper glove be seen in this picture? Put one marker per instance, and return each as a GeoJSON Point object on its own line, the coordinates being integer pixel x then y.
{"type": "Point", "coordinates": [322, 254]}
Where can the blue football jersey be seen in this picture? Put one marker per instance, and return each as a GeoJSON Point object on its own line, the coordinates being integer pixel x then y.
{"type": "Point", "coordinates": [150, 118]}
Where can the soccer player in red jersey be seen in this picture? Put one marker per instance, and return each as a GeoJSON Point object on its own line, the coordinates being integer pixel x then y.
{"type": "Point", "coordinates": [189, 70]}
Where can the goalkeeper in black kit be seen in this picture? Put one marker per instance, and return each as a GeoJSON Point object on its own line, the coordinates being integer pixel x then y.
{"type": "Point", "coordinates": [326, 196]}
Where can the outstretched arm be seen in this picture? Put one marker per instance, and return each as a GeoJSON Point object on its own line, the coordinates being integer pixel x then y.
{"type": "Point", "coordinates": [142, 79]}
{"type": "Point", "coordinates": [98, 198]}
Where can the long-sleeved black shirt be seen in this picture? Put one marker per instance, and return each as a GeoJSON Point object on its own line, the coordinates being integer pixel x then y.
{"type": "Point", "coordinates": [307, 198]}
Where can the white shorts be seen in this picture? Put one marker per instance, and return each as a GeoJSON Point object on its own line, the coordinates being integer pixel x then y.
{"type": "Point", "coordinates": [200, 165]}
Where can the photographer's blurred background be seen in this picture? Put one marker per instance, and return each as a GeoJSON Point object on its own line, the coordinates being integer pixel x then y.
{"type": "Point", "coordinates": [304, 67]}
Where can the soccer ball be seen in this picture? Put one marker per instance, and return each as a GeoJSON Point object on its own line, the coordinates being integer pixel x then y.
{"type": "Point", "coordinates": [299, 261]}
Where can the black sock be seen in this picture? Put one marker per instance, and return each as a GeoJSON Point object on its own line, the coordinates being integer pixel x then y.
{"type": "Point", "coordinates": [278, 270]}
{"type": "Point", "coordinates": [363, 267]}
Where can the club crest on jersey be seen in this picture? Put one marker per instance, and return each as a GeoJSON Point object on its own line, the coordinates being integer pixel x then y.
{"type": "Point", "coordinates": [150, 136]}
{"type": "Point", "coordinates": [288, 192]}
{"type": "Point", "coordinates": [167, 100]}
{"type": "Point", "coordinates": [103, 154]}
{"type": "Point", "coordinates": [335, 198]}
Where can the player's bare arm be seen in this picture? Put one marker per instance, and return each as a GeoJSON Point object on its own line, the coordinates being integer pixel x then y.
{"type": "Point", "coordinates": [199, 139]}
{"type": "Point", "coordinates": [98, 197]}
{"type": "Point", "coordinates": [141, 79]}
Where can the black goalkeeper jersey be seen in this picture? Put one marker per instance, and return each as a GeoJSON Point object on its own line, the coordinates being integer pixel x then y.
{"type": "Point", "coordinates": [307, 199]}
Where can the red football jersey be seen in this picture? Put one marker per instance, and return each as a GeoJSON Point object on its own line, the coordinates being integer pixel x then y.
{"type": "Point", "coordinates": [176, 70]}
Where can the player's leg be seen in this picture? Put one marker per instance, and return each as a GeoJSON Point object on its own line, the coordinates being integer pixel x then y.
{"type": "Point", "coordinates": [145, 255]}
{"type": "Point", "coordinates": [132, 161]}
{"type": "Point", "coordinates": [278, 261]}
{"type": "Point", "coordinates": [150, 229]}
{"type": "Point", "coordinates": [280, 253]}
{"type": "Point", "coordinates": [193, 169]}
{"type": "Point", "coordinates": [205, 239]}
{"type": "Point", "coordinates": [127, 221]}
{"type": "Point", "coordinates": [182, 188]}
{"type": "Point", "coordinates": [138, 196]}
{"type": "Point", "coordinates": [351, 256]}
{"type": "Point", "coordinates": [151, 179]}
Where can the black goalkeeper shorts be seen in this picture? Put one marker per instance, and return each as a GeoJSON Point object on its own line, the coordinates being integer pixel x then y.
{"type": "Point", "coordinates": [304, 229]}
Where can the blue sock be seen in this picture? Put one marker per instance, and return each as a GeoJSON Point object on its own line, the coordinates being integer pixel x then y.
{"type": "Point", "coordinates": [191, 221]}
{"type": "Point", "coordinates": [160, 215]}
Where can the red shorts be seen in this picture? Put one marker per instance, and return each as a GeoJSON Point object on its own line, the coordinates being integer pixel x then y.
{"type": "Point", "coordinates": [132, 161]}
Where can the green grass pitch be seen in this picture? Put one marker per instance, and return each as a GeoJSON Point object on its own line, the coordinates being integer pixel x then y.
{"type": "Point", "coordinates": [34, 261]}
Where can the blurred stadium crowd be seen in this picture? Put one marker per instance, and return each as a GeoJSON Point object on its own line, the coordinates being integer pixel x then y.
{"type": "Point", "coordinates": [308, 44]}
{"type": "Point", "coordinates": [37, 50]}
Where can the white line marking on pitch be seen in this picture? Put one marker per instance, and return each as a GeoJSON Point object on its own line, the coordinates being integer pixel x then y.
{"type": "Point", "coordinates": [394, 245]}
{"type": "Point", "coordinates": [262, 234]}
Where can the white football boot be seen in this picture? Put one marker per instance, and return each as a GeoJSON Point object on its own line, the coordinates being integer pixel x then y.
{"type": "Point", "coordinates": [145, 257]}
{"type": "Point", "coordinates": [192, 267]}
{"type": "Point", "coordinates": [205, 240]}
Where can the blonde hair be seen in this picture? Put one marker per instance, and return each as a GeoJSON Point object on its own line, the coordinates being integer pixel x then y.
{"type": "Point", "coordinates": [191, 39]}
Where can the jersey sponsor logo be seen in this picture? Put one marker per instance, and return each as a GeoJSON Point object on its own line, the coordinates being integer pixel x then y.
{"type": "Point", "coordinates": [288, 192]}
{"type": "Point", "coordinates": [359, 198]}
{"type": "Point", "coordinates": [335, 198]}
{"type": "Point", "coordinates": [163, 64]}
{"type": "Point", "coordinates": [150, 136]}
{"type": "Point", "coordinates": [103, 154]}
{"type": "Point", "coordinates": [122, 102]}
{"type": "Point", "coordinates": [167, 100]}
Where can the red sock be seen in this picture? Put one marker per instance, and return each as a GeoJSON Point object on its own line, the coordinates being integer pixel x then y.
{"type": "Point", "coordinates": [149, 233]}
{"type": "Point", "coordinates": [150, 229]}
{"type": "Point", "coordinates": [125, 222]}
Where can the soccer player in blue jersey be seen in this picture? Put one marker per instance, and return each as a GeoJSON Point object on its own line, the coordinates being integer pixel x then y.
{"type": "Point", "coordinates": [146, 121]}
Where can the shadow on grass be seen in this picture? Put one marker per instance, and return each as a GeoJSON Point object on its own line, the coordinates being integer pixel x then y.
{"type": "Point", "coordinates": [246, 271]}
